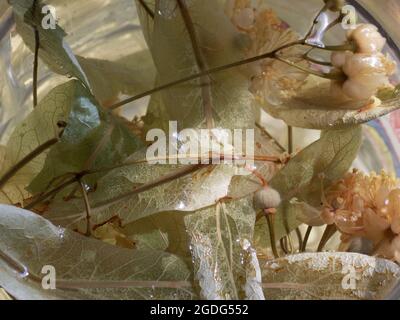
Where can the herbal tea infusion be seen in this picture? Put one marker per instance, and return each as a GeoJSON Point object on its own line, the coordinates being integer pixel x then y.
{"type": "Point", "coordinates": [198, 149]}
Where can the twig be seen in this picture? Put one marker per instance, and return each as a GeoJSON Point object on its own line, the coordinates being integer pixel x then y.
{"type": "Point", "coordinates": [272, 55]}
{"type": "Point", "coordinates": [22, 163]}
{"type": "Point", "coordinates": [204, 73]}
{"type": "Point", "coordinates": [52, 192]}
{"type": "Point", "coordinates": [283, 245]}
{"type": "Point", "coordinates": [36, 59]}
{"type": "Point", "coordinates": [148, 186]}
{"type": "Point", "coordinates": [329, 232]}
{"type": "Point", "coordinates": [299, 237]}
{"type": "Point", "coordinates": [306, 237]}
{"type": "Point", "coordinates": [271, 228]}
{"type": "Point", "coordinates": [201, 63]}
{"type": "Point", "coordinates": [87, 208]}
{"type": "Point", "coordinates": [146, 8]}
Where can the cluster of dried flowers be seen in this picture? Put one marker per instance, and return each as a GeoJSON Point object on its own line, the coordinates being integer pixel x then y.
{"type": "Point", "coordinates": [367, 69]}
{"type": "Point", "coordinates": [368, 207]}
{"type": "Point", "coordinates": [271, 79]}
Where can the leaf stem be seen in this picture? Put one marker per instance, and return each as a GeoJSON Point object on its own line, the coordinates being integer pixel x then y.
{"type": "Point", "coordinates": [52, 192]}
{"type": "Point", "coordinates": [87, 208]}
{"type": "Point", "coordinates": [271, 227]}
{"type": "Point", "coordinates": [201, 63]}
{"type": "Point", "coordinates": [148, 186]}
{"type": "Point", "coordinates": [330, 76]}
{"type": "Point", "coordinates": [35, 68]}
{"type": "Point", "coordinates": [22, 163]}
{"type": "Point", "coordinates": [36, 60]}
{"type": "Point", "coordinates": [206, 72]}
{"type": "Point", "coordinates": [146, 8]}
{"type": "Point", "coordinates": [272, 55]}
{"type": "Point", "coordinates": [306, 237]}
{"type": "Point", "coordinates": [328, 233]}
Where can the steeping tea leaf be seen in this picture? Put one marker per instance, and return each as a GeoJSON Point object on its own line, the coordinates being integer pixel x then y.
{"type": "Point", "coordinates": [329, 276]}
{"type": "Point", "coordinates": [54, 50]}
{"type": "Point", "coordinates": [84, 268]}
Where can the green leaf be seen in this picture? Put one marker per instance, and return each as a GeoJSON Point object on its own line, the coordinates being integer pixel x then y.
{"type": "Point", "coordinates": [329, 276]}
{"type": "Point", "coordinates": [226, 93]}
{"type": "Point", "coordinates": [93, 138]}
{"type": "Point", "coordinates": [225, 265]}
{"type": "Point", "coordinates": [54, 51]}
{"type": "Point", "coordinates": [315, 108]}
{"type": "Point", "coordinates": [131, 75]}
{"type": "Point", "coordinates": [99, 270]}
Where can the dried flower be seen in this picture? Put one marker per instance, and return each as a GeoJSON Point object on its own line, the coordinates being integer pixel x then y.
{"type": "Point", "coordinates": [366, 206]}
{"type": "Point", "coordinates": [367, 70]}
{"type": "Point", "coordinates": [367, 38]}
{"type": "Point", "coordinates": [271, 80]}
{"type": "Point", "coordinates": [366, 74]}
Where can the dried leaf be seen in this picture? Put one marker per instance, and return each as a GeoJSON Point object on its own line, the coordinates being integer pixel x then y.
{"type": "Point", "coordinates": [174, 57]}
{"type": "Point", "coordinates": [131, 75]}
{"type": "Point", "coordinates": [315, 108]}
{"type": "Point", "coordinates": [54, 51]}
{"type": "Point", "coordinates": [329, 276]}
{"type": "Point", "coordinates": [305, 176]}
{"type": "Point", "coordinates": [93, 138]}
{"type": "Point", "coordinates": [223, 261]}
{"type": "Point", "coordinates": [103, 271]}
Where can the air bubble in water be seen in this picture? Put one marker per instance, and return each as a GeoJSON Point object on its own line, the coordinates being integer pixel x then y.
{"type": "Point", "coordinates": [24, 274]}
{"type": "Point", "coordinates": [61, 232]}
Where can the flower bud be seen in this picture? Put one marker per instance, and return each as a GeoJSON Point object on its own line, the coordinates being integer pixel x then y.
{"type": "Point", "coordinates": [267, 198]}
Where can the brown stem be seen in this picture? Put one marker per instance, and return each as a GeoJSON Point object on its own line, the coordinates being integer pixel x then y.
{"type": "Point", "coordinates": [328, 234]}
{"type": "Point", "coordinates": [147, 186]}
{"type": "Point", "coordinates": [87, 208]}
{"type": "Point", "coordinates": [299, 238]}
{"type": "Point", "coordinates": [51, 193]}
{"type": "Point", "coordinates": [306, 237]}
{"type": "Point", "coordinates": [283, 245]}
{"type": "Point", "coordinates": [201, 63]}
{"type": "Point", "coordinates": [271, 227]}
{"type": "Point", "coordinates": [204, 73]}
{"type": "Point", "coordinates": [146, 8]}
{"type": "Point", "coordinates": [290, 139]}
{"type": "Point", "coordinates": [22, 163]}
{"type": "Point", "coordinates": [271, 55]}
{"type": "Point", "coordinates": [36, 59]}
{"type": "Point", "coordinates": [35, 68]}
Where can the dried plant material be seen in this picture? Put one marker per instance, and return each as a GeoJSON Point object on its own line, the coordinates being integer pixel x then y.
{"type": "Point", "coordinates": [55, 52]}
{"type": "Point", "coordinates": [306, 110]}
{"type": "Point", "coordinates": [367, 207]}
{"type": "Point", "coordinates": [96, 270]}
{"type": "Point", "coordinates": [329, 276]}
{"type": "Point", "coordinates": [271, 80]}
{"type": "Point", "coordinates": [219, 238]}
